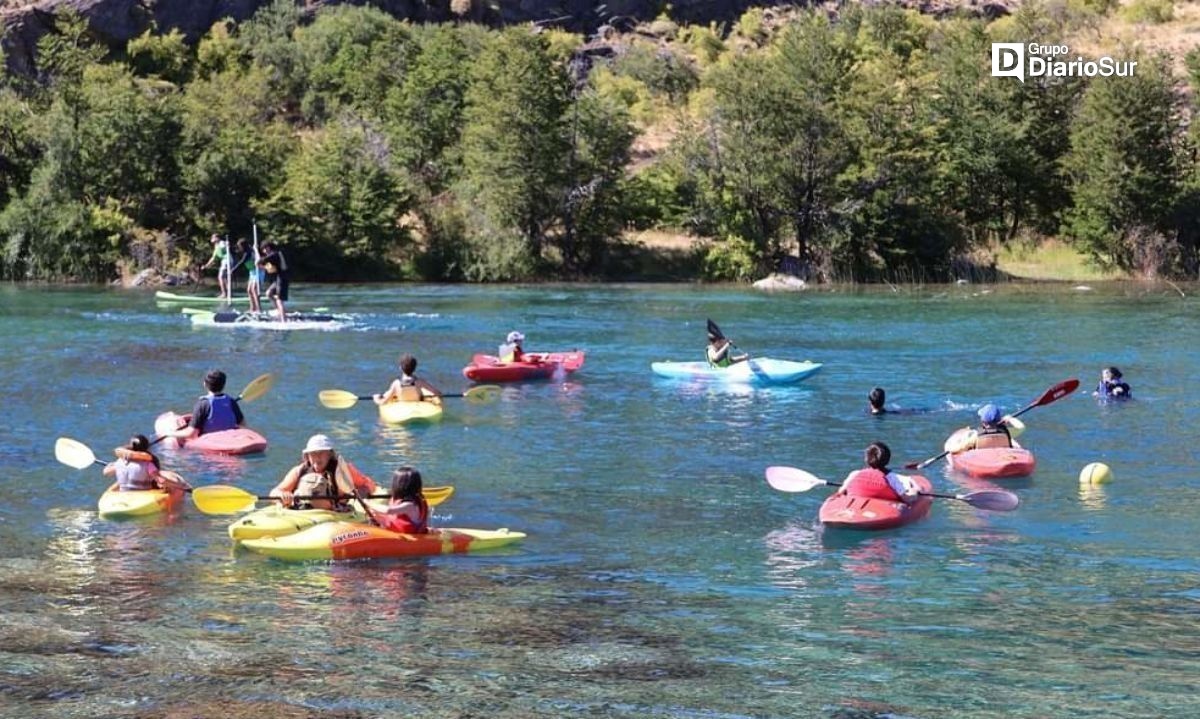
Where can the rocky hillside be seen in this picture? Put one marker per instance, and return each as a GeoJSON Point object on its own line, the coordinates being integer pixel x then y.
{"type": "Point", "coordinates": [116, 21]}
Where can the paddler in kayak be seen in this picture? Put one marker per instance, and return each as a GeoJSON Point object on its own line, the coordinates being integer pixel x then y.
{"type": "Point", "coordinates": [993, 431]}
{"type": "Point", "coordinates": [511, 350]}
{"type": "Point", "coordinates": [225, 269]}
{"type": "Point", "coordinates": [407, 511]}
{"type": "Point", "coordinates": [1112, 386]}
{"type": "Point", "coordinates": [214, 411]}
{"type": "Point", "coordinates": [408, 387]}
{"type": "Point", "coordinates": [275, 266]}
{"type": "Point", "coordinates": [137, 469]}
{"type": "Point", "coordinates": [876, 481]}
{"type": "Point", "coordinates": [323, 473]}
{"type": "Point", "coordinates": [720, 351]}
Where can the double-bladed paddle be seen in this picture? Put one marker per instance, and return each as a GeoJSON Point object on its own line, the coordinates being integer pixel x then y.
{"type": "Point", "coordinates": [341, 399]}
{"type": "Point", "coordinates": [790, 479]}
{"type": "Point", "coordinates": [1055, 393]}
{"type": "Point", "coordinates": [224, 499]}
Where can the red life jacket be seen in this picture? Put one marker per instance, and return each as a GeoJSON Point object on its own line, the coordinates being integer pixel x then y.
{"type": "Point", "coordinates": [403, 524]}
{"type": "Point", "coordinates": [871, 484]}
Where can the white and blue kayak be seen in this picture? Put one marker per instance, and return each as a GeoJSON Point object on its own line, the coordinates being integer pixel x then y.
{"type": "Point", "coordinates": [756, 371]}
{"type": "Point", "coordinates": [267, 320]}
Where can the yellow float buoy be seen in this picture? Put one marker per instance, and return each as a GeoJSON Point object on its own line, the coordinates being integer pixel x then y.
{"type": "Point", "coordinates": [1095, 473]}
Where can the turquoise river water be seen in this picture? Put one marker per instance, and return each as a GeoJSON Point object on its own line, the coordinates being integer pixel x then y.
{"type": "Point", "coordinates": [662, 577]}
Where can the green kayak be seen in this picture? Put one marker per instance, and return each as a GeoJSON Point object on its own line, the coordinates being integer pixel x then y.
{"type": "Point", "coordinates": [164, 296]}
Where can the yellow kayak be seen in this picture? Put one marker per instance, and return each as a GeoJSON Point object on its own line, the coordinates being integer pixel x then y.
{"type": "Point", "coordinates": [401, 412]}
{"type": "Point", "coordinates": [276, 521]}
{"type": "Point", "coordinates": [115, 504]}
{"type": "Point", "coordinates": [342, 540]}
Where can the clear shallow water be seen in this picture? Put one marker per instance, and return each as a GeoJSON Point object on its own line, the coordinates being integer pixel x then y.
{"type": "Point", "coordinates": [662, 577]}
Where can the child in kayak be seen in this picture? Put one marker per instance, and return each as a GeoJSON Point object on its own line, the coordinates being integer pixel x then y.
{"type": "Point", "coordinates": [719, 352]}
{"type": "Point", "coordinates": [321, 473]}
{"type": "Point", "coordinates": [993, 431]}
{"type": "Point", "coordinates": [214, 411]}
{"type": "Point", "coordinates": [1112, 386]}
{"type": "Point", "coordinates": [407, 511]}
{"type": "Point", "coordinates": [876, 481]}
{"type": "Point", "coordinates": [225, 270]}
{"type": "Point", "coordinates": [408, 387]}
{"type": "Point", "coordinates": [137, 469]}
{"type": "Point", "coordinates": [511, 350]}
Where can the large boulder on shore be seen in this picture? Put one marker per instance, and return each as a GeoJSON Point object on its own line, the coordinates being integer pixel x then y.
{"type": "Point", "coordinates": [777, 282]}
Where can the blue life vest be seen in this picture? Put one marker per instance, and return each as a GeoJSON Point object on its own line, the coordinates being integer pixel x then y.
{"type": "Point", "coordinates": [220, 415]}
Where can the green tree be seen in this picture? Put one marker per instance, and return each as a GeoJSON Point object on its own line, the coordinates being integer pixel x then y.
{"type": "Point", "coordinates": [232, 149]}
{"type": "Point", "coordinates": [349, 57]}
{"type": "Point", "coordinates": [1124, 169]}
{"type": "Point", "coordinates": [424, 113]}
{"type": "Point", "coordinates": [341, 203]}
{"type": "Point", "coordinates": [167, 57]}
{"type": "Point", "coordinates": [515, 144]}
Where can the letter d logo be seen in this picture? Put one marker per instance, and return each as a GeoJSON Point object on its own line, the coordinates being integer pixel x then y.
{"type": "Point", "coordinates": [1008, 60]}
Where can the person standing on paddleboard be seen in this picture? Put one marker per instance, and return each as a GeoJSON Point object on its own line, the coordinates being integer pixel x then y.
{"type": "Point", "coordinates": [274, 264]}
{"type": "Point", "coordinates": [248, 258]}
{"type": "Point", "coordinates": [225, 269]}
{"type": "Point", "coordinates": [407, 387]}
{"type": "Point", "coordinates": [214, 412]}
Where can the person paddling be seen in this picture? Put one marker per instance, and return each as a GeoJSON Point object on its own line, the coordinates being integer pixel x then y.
{"type": "Point", "coordinates": [1112, 386]}
{"type": "Point", "coordinates": [321, 473]}
{"type": "Point", "coordinates": [407, 511]}
{"type": "Point", "coordinates": [225, 269]}
{"type": "Point", "coordinates": [876, 481]}
{"type": "Point", "coordinates": [719, 352]}
{"type": "Point", "coordinates": [408, 387]}
{"type": "Point", "coordinates": [511, 350]}
{"type": "Point", "coordinates": [248, 258]}
{"type": "Point", "coordinates": [137, 469]}
{"type": "Point", "coordinates": [214, 411]}
{"type": "Point", "coordinates": [275, 266]}
{"type": "Point", "coordinates": [993, 431]}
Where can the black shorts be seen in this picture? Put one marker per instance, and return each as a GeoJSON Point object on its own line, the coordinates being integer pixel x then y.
{"type": "Point", "coordinates": [279, 288]}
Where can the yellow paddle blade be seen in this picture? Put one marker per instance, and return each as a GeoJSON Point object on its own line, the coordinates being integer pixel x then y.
{"type": "Point", "coordinates": [436, 495]}
{"type": "Point", "coordinates": [1015, 426]}
{"type": "Point", "coordinates": [258, 387]}
{"type": "Point", "coordinates": [222, 499]}
{"type": "Point", "coordinates": [73, 453]}
{"type": "Point", "coordinates": [337, 398]}
{"type": "Point", "coordinates": [482, 394]}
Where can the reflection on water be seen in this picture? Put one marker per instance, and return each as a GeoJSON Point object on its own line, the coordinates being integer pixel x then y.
{"type": "Point", "coordinates": [1093, 497]}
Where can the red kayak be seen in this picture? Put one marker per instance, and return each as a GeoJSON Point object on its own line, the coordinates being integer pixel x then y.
{"type": "Point", "coordinates": [993, 463]}
{"type": "Point", "coordinates": [229, 441]}
{"type": "Point", "coordinates": [536, 365]}
{"type": "Point", "coordinates": [845, 512]}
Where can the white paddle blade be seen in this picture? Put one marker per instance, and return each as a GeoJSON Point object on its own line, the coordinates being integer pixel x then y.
{"type": "Point", "coordinates": [73, 454]}
{"type": "Point", "coordinates": [790, 479]}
